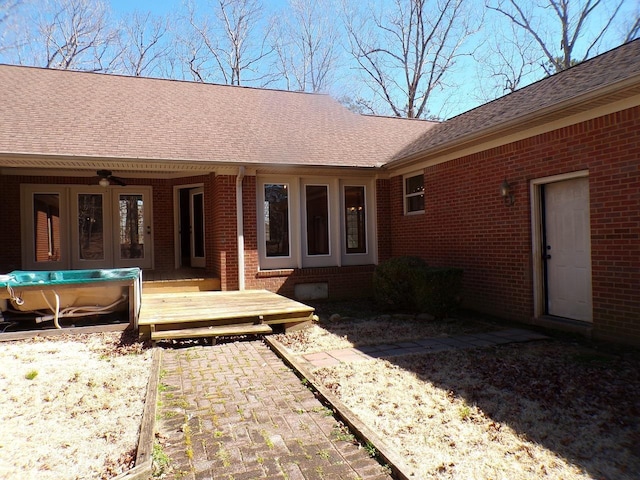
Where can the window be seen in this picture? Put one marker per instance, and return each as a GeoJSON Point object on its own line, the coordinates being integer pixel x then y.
{"type": "Point", "coordinates": [276, 219]}
{"type": "Point", "coordinates": [317, 205]}
{"type": "Point", "coordinates": [355, 219]}
{"type": "Point", "coordinates": [414, 194]}
{"type": "Point", "coordinates": [46, 226]}
{"type": "Point", "coordinates": [91, 238]}
{"type": "Point", "coordinates": [315, 222]}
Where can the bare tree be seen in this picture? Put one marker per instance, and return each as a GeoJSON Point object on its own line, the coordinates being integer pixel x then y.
{"type": "Point", "coordinates": [306, 43]}
{"type": "Point", "coordinates": [143, 44]}
{"type": "Point", "coordinates": [228, 46]}
{"type": "Point", "coordinates": [633, 26]}
{"type": "Point", "coordinates": [559, 26]}
{"type": "Point", "coordinates": [6, 6]}
{"type": "Point", "coordinates": [407, 53]}
{"type": "Point", "coordinates": [507, 62]}
{"type": "Point", "coordinates": [70, 34]}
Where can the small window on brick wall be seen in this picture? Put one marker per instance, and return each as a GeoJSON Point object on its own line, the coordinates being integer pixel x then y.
{"type": "Point", "coordinates": [414, 194]}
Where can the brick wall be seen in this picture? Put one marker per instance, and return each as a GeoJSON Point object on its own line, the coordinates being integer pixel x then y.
{"type": "Point", "coordinates": [383, 213]}
{"type": "Point", "coordinates": [466, 223]}
{"type": "Point", "coordinates": [223, 248]}
{"type": "Point", "coordinates": [10, 249]}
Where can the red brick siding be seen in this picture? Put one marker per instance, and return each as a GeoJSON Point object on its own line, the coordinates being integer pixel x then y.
{"type": "Point", "coordinates": [466, 223]}
{"type": "Point", "coordinates": [343, 282]}
{"type": "Point", "coordinates": [222, 241]}
{"type": "Point", "coordinates": [383, 213]}
{"type": "Point", "coordinates": [10, 231]}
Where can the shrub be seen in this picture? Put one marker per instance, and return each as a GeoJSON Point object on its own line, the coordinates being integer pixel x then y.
{"type": "Point", "coordinates": [439, 293]}
{"type": "Point", "coordinates": [396, 283]}
{"type": "Point", "coordinates": [408, 284]}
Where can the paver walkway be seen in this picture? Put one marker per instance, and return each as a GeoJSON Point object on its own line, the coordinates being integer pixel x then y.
{"type": "Point", "coordinates": [234, 411]}
{"type": "Point", "coordinates": [427, 345]}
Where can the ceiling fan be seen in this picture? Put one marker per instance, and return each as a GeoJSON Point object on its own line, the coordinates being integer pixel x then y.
{"type": "Point", "coordinates": [105, 178]}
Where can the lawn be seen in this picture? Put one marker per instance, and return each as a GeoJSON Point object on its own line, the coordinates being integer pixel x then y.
{"type": "Point", "coordinates": [561, 408]}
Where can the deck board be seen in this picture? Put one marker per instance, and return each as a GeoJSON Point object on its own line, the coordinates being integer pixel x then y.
{"type": "Point", "coordinates": [185, 307]}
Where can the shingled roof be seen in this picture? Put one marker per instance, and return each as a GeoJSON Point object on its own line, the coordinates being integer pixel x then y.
{"type": "Point", "coordinates": [612, 76]}
{"type": "Point", "coordinates": [73, 115]}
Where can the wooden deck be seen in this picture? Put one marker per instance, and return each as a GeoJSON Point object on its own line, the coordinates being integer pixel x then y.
{"type": "Point", "coordinates": [188, 314]}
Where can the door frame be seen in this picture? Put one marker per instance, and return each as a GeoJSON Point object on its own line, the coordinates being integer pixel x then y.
{"type": "Point", "coordinates": [197, 262]}
{"type": "Point", "coordinates": [537, 236]}
{"type": "Point", "coordinates": [177, 241]}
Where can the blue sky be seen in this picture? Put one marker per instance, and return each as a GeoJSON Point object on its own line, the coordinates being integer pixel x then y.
{"type": "Point", "coordinates": [468, 85]}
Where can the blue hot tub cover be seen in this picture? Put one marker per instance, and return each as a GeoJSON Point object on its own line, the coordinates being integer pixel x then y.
{"type": "Point", "coordinates": [20, 278]}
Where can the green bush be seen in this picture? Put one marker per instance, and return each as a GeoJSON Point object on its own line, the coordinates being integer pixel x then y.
{"type": "Point", "coordinates": [439, 293]}
{"type": "Point", "coordinates": [396, 283]}
{"type": "Point", "coordinates": [409, 284]}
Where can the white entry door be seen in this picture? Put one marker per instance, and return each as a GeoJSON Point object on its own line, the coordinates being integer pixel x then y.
{"type": "Point", "coordinates": [196, 211]}
{"type": "Point", "coordinates": [567, 249]}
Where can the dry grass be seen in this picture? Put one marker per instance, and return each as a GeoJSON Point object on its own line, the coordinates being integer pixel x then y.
{"type": "Point", "coordinates": [350, 332]}
{"type": "Point", "coordinates": [72, 406]}
{"type": "Point", "coordinates": [555, 409]}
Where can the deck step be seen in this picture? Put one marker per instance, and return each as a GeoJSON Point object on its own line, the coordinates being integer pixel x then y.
{"type": "Point", "coordinates": [223, 330]}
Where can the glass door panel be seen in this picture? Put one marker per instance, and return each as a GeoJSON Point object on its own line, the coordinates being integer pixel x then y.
{"type": "Point", "coordinates": [196, 206]}
{"type": "Point", "coordinates": [44, 235]}
{"type": "Point", "coordinates": [132, 228]}
{"type": "Point", "coordinates": [91, 248]}
{"type": "Point", "coordinates": [91, 227]}
{"type": "Point", "coordinates": [47, 228]}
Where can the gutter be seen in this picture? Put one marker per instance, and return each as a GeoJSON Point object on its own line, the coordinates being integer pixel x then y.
{"type": "Point", "coordinates": [240, 227]}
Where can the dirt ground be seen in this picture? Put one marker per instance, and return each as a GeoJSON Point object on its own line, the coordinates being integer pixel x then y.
{"type": "Point", "coordinates": [559, 409]}
{"type": "Point", "coordinates": [72, 406]}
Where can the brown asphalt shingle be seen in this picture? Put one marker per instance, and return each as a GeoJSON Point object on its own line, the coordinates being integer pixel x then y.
{"type": "Point", "coordinates": [76, 114]}
{"type": "Point", "coordinates": [52, 112]}
{"type": "Point", "coordinates": [610, 68]}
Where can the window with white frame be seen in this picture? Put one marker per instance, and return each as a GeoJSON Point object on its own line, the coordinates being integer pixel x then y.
{"type": "Point", "coordinates": [276, 220]}
{"type": "Point", "coordinates": [414, 193]}
{"type": "Point", "coordinates": [314, 222]}
{"type": "Point", "coordinates": [355, 219]}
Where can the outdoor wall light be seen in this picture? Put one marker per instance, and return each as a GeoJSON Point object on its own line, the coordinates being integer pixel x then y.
{"type": "Point", "coordinates": [104, 182]}
{"type": "Point", "coordinates": [507, 194]}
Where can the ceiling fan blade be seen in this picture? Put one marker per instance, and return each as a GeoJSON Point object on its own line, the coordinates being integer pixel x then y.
{"type": "Point", "coordinates": [117, 180]}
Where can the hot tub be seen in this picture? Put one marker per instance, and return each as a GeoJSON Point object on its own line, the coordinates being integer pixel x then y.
{"type": "Point", "coordinates": [52, 295]}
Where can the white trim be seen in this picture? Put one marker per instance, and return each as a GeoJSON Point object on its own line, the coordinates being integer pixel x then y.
{"type": "Point", "coordinates": [539, 306]}
{"type": "Point", "coordinates": [331, 259]}
{"type": "Point", "coordinates": [370, 254]}
{"type": "Point", "coordinates": [293, 260]}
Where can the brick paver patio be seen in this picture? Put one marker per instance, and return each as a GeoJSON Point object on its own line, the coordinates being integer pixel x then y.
{"type": "Point", "coordinates": [234, 411]}
{"type": "Point", "coordinates": [424, 346]}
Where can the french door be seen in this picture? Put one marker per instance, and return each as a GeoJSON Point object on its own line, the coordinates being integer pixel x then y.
{"type": "Point", "coordinates": [84, 227]}
{"type": "Point", "coordinates": [112, 227]}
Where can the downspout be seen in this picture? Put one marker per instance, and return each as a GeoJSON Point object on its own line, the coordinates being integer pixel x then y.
{"type": "Point", "coordinates": [240, 227]}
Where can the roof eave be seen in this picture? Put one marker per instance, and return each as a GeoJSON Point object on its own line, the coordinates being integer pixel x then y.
{"type": "Point", "coordinates": [589, 100]}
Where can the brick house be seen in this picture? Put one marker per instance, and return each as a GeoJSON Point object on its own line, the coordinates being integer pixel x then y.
{"type": "Point", "coordinates": [535, 195]}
